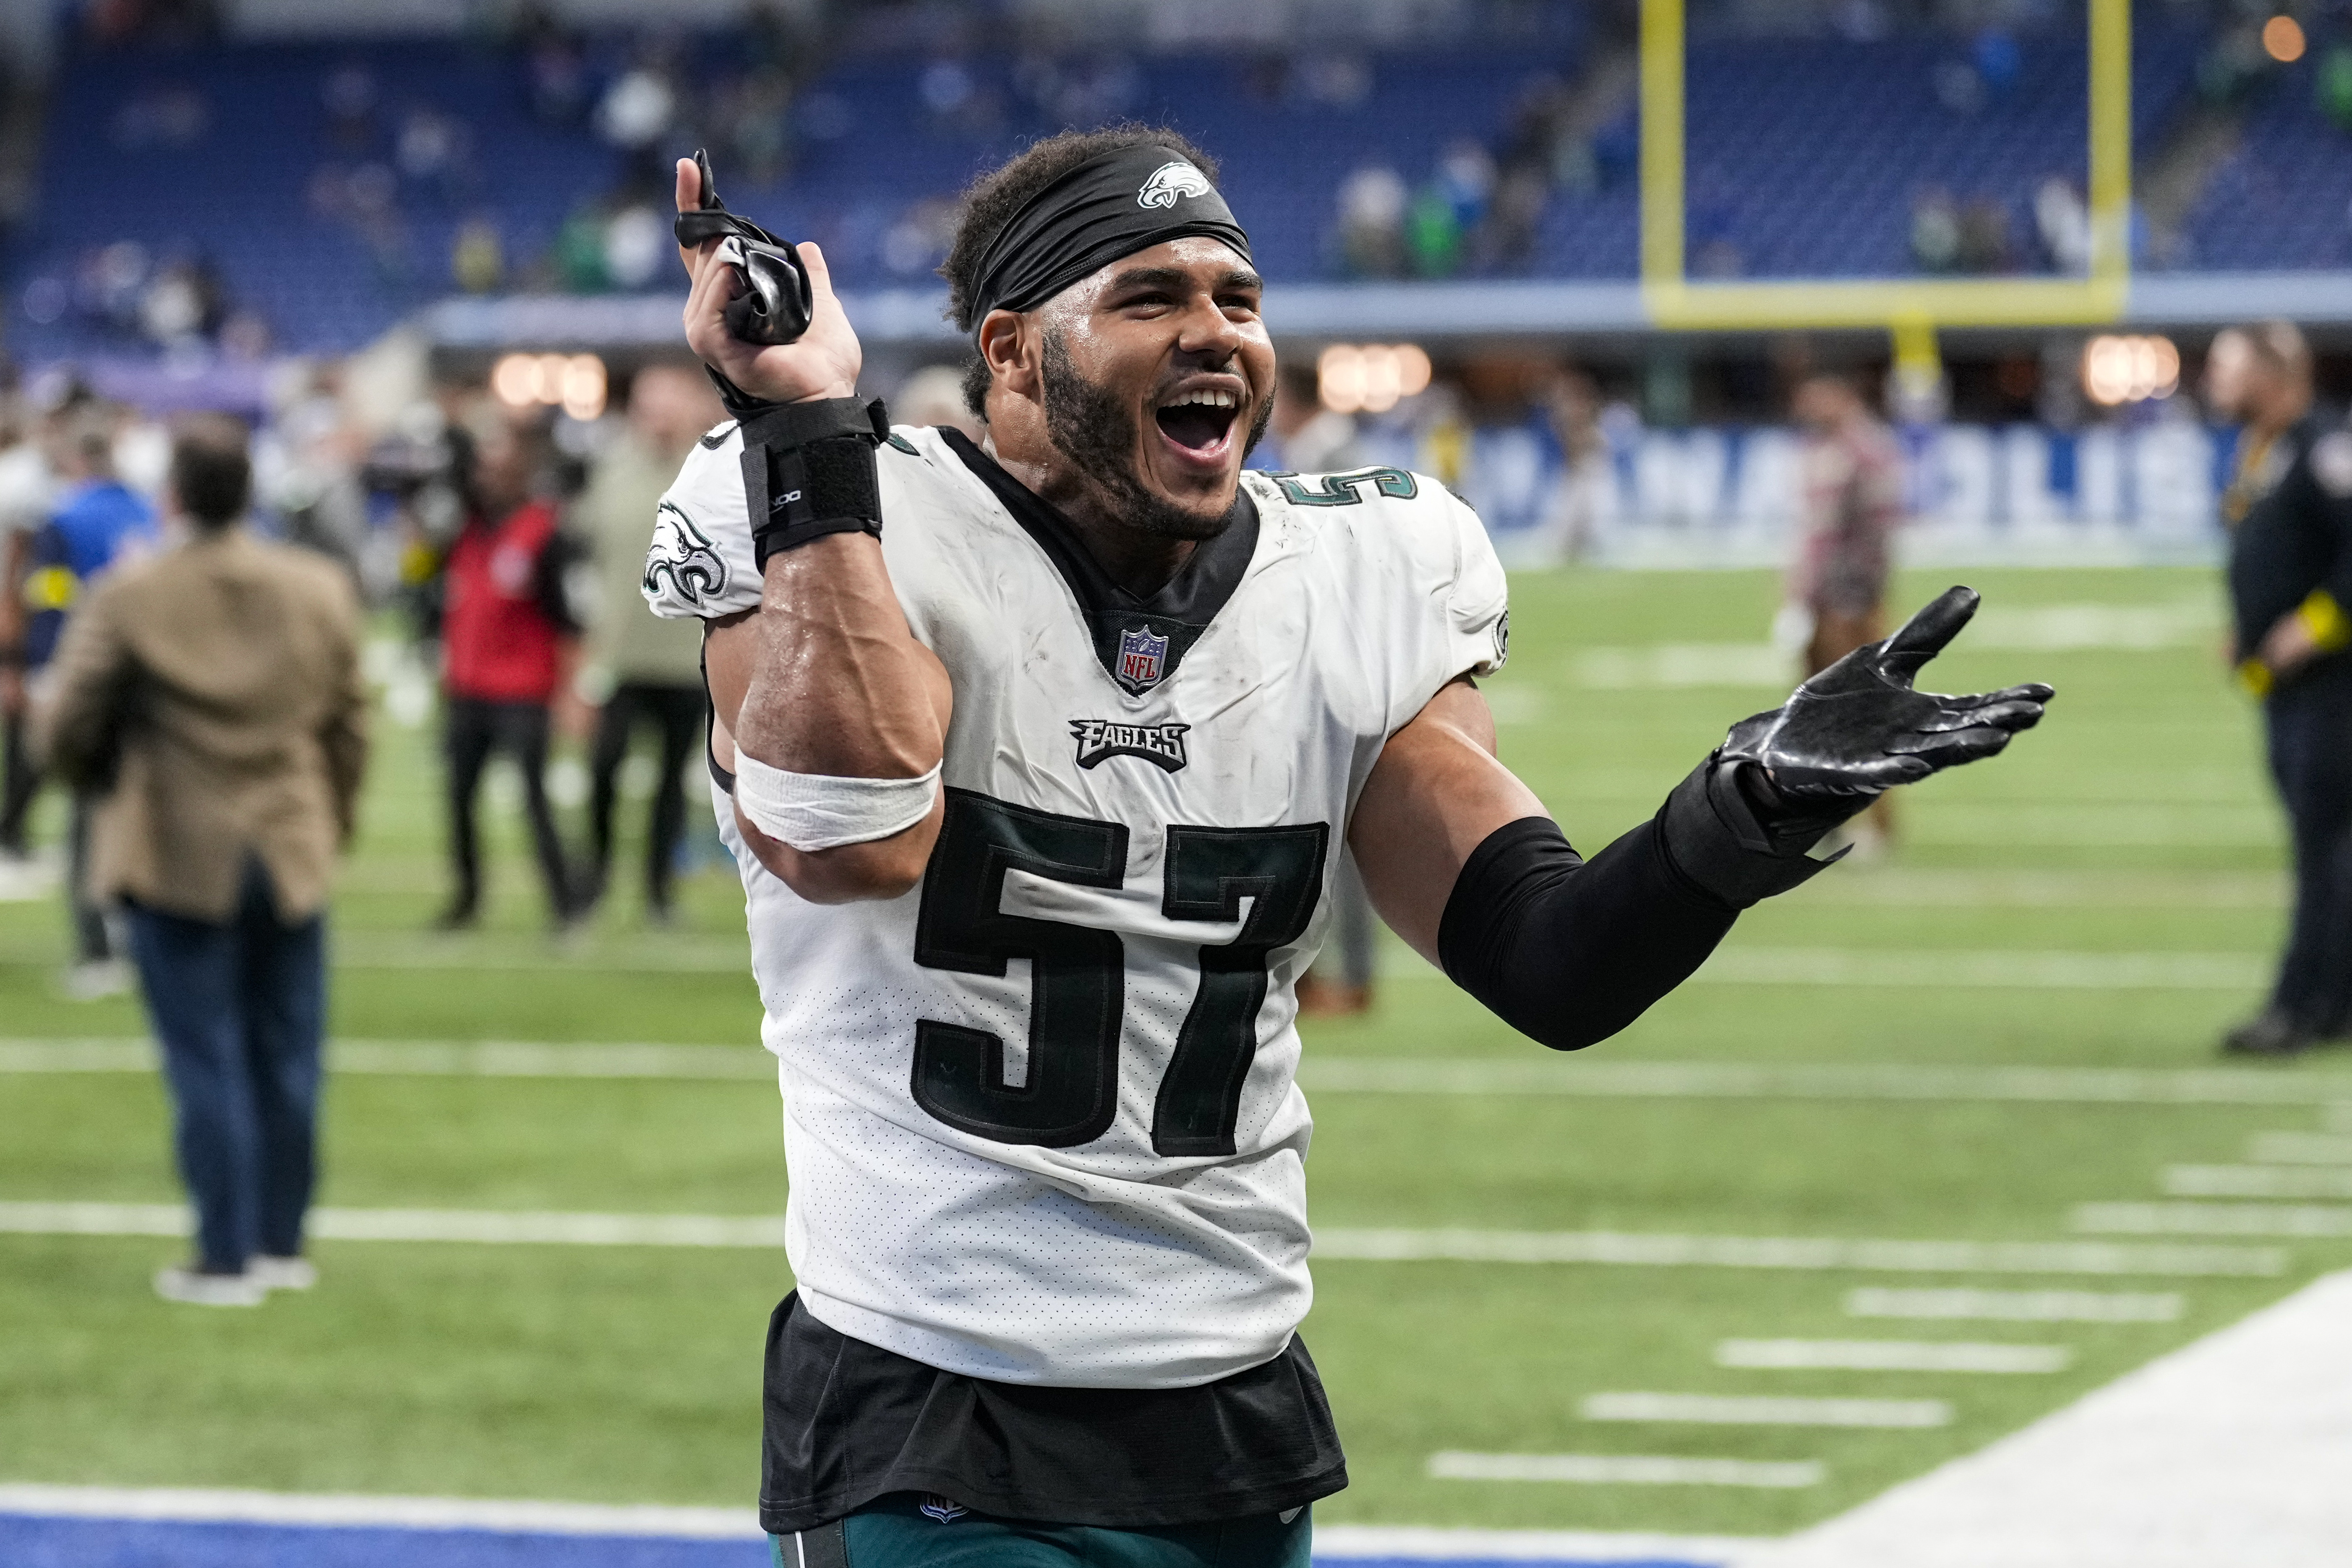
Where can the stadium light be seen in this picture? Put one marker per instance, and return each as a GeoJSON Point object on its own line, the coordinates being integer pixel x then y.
{"type": "Point", "coordinates": [2282, 39]}
{"type": "Point", "coordinates": [1372, 378]}
{"type": "Point", "coordinates": [575, 383]}
{"type": "Point", "coordinates": [514, 381]}
{"type": "Point", "coordinates": [584, 387]}
{"type": "Point", "coordinates": [2119, 370]}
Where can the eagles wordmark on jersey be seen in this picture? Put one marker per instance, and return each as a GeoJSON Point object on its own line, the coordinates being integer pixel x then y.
{"type": "Point", "coordinates": [1040, 1111]}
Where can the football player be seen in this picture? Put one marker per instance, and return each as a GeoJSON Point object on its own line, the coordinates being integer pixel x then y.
{"type": "Point", "coordinates": [1037, 753]}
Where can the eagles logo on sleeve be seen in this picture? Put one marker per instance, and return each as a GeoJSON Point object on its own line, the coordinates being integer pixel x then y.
{"type": "Point", "coordinates": [682, 561]}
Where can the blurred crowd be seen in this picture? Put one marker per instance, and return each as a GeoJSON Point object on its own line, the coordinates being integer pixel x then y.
{"type": "Point", "coordinates": [497, 546]}
{"type": "Point", "coordinates": [417, 168]}
{"type": "Point", "coordinates": [498, 549]}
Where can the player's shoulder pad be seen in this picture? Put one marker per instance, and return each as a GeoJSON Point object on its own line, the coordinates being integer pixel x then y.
{"type": "Point", "coordinates": [1418, 527]}
{"type": "Point", "coordinates": [701, 562]}
{"type": "Point", "coordinates": [921, 479]}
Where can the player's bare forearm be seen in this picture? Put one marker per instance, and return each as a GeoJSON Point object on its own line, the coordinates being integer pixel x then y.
{"type": "Point", "coordinates": [840, 685]}
{"type": "Point", "coordinates": [826, 678]}
{"type": "Point", "coordinates": [1435, 795]}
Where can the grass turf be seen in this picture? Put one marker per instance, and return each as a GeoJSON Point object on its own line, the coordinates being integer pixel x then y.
{"type": "Point", "coordinates": [2135, 821]}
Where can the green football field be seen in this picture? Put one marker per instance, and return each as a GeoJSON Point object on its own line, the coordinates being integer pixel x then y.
{"type": "Point", "coordinates": [2000, 1037]}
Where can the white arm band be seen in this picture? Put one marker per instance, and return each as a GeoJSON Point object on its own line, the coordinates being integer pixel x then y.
{"type": "Point", "coordinates": [817, 810]}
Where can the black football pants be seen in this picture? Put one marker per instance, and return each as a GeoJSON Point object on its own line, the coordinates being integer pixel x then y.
{"type": "Point", "coordinates": [474, 730]}
{"type": "Point", "coordinates": [2310, 759]}
{"type": "Point", "coordinates": [676, 712]}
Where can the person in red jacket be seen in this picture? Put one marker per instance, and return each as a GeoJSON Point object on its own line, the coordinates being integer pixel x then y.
{"type": "Point", "coordinates": [508, 641]}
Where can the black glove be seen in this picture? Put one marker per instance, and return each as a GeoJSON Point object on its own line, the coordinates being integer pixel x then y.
{"type": "Point", "coordinates": [1858, 726]}
{"type": "Point", "coordinates": [775, 303]}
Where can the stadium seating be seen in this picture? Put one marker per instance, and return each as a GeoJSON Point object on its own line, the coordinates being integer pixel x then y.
{"type": "Point", "coordinates": [2285, 198]}
{"type": "Point", "coordinates": [1806, 156]}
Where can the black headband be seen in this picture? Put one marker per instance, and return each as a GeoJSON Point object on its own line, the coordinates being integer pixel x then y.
{"type": "Point", "coordinates": [1107, 208]}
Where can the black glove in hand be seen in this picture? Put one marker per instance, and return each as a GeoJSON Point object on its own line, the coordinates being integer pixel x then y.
{"type": "Point", "coordinates": [776, 298]}
{"type": "Point", "coordinates": [1858, 726]}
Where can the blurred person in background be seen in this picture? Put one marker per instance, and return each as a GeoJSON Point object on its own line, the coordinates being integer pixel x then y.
{"type": "Point", "coordinates": [96, 522]}
{"type": "Point", "coordinates": [26, 489]}
{"type": "Point", "coordinates": [2289, 510]}
{"type": "Point", "coordinates": [510, 643]}
{"type": "Point", "coordinates": [934, 396]}
{"type": "Point", "coordinates": [1304, 437]}
{"type": "Point", "coordinates": [1852, 501]}
{"type": "Point", "coordinates": [208, 700]}
{"type": "Point", "coordinates": [1572, 513]}
{"type": "Point", "coordinates": [655, 666]}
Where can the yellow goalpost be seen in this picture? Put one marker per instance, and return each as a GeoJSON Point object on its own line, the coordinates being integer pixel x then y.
{"type": "Point", "coordinates": [1910, 307]}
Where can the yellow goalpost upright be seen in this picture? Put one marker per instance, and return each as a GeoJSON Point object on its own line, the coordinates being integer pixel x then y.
{"type": "Point", "coordinates": [1912, 308]}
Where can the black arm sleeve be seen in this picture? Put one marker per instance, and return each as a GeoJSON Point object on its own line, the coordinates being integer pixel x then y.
{"type": "Point", "coordinates": [1568, 951]}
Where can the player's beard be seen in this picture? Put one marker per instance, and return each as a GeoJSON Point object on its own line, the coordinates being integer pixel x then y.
{"type": "Point", "coordinates": [1096, 430]}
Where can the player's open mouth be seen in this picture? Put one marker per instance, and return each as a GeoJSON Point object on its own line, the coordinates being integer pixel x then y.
{"type": "Point", "coordinates": [1201, 419]}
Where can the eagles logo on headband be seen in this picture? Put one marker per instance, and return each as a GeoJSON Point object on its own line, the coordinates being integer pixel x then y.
{"type": "Point", "coordinates": [1112, 205]}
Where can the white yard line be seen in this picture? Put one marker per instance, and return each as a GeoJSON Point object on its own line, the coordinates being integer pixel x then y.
{"type": "Point", "coordinates": [1626, 1469]}
{"type": "Point", "coordinates": [1537, 1072]}
{"type": "Point", "coordinates": [2214, 1219]}
{"type": "Point", "coordinates": [1764, 1410]}
{"type": "Point", "coordinates": [1980, 969]}
{"type": "Point", "coordinates": [1891, 1355]}
{"type": "Point", "coordinates": [2015, 1306]}
{"type": "Point", "coordinates": [1579, 1548]}
{"type": "Point", "coordinates": [2300, 1147]}
{"type": "Point", "coordinates": [2050, 628]}
{"type": "Point", "coordinates": [2230, 1453]}
{"type": "Point", "coordinates": [430, 1058]}
{"type": "Point", "coordinates": [1967, 969]}
{"type": "Point", "coordinates": [1809, 1253]}
{"type": "Point", "coordinates": [1920, 888]}
{"type": "Point", "coordinates": [371, 951]}
{"type": "Point", "coordinates": [2256, 1181]}
{"type": "Point", "coordinates": [1463, 1245]}
{"type": "Point", "coordinates": [466, 1225]}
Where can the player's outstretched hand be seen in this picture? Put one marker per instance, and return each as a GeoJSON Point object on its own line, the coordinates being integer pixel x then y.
{"type": "Point", "coordinates": [1858, 726]}
{"type": "Point", "coordinates": [824, 361]}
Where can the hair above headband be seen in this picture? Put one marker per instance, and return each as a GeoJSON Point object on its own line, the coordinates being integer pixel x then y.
{"type": "Point", "coordinates": [1124, 201]}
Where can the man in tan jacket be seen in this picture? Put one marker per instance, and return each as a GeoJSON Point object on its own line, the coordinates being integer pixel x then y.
{"type": "Point", "coordinates": [655, 666]}
{"type": "Point", "coordinates": [211, 695]}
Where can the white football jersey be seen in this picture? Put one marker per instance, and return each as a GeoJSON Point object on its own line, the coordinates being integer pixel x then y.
{"type": "Point", "coordinates": [1040, 1115]}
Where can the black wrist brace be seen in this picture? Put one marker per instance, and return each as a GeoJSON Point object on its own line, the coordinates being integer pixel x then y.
{"type": "Point", "coordinates": [808, 470]}
{"type": "Point", "coordinates": [1713, 827]}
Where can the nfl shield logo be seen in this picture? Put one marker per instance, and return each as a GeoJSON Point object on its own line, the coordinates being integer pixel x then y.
{"type": "Point", "coordinates": [1142, 658]}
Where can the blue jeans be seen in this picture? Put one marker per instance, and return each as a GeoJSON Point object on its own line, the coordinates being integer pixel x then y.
{"type": "Point", "coordinates": [239, 1008]}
